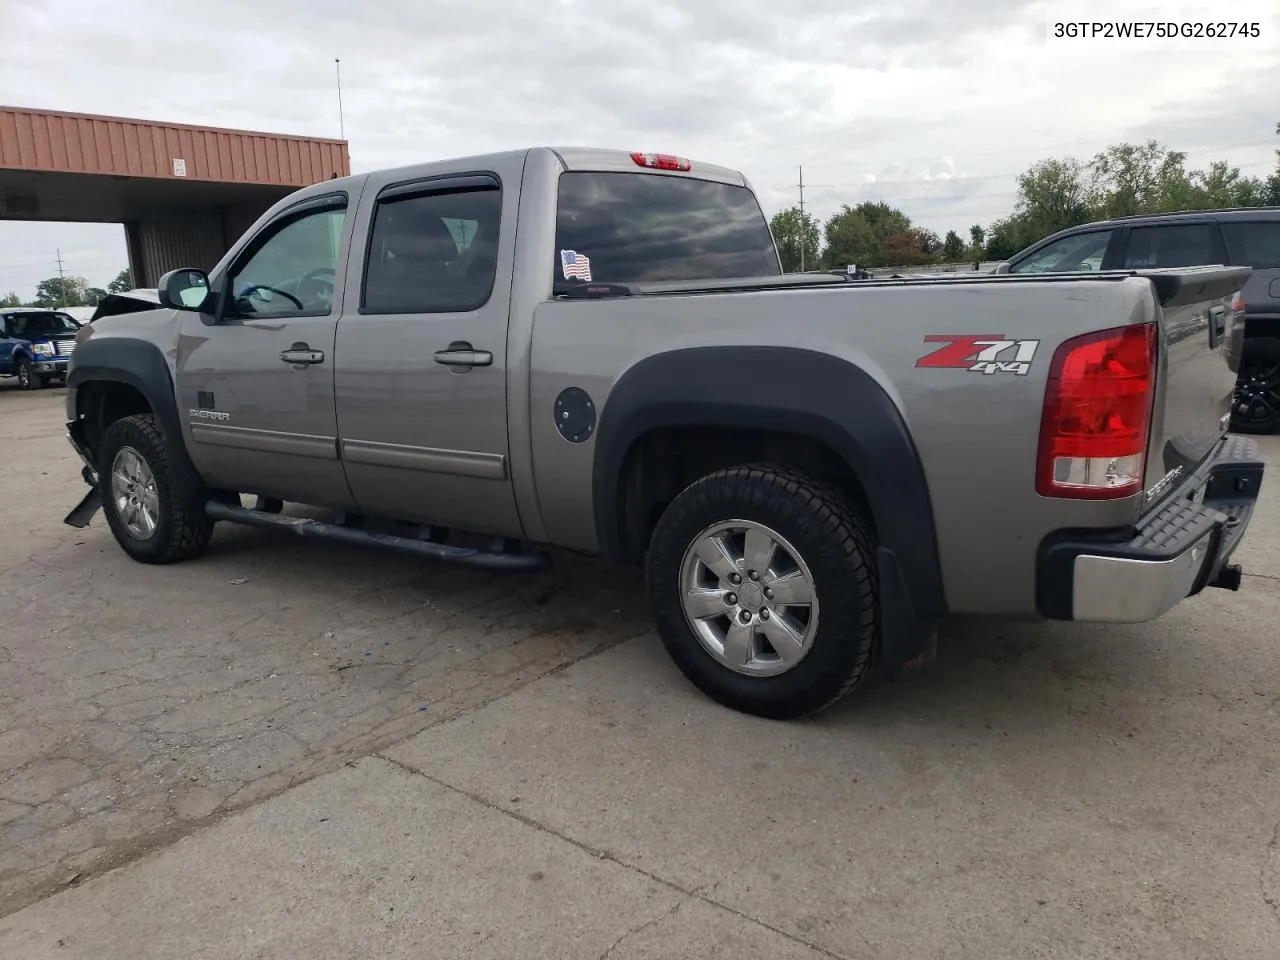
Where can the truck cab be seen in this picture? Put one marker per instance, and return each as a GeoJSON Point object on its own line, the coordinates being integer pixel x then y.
{"type": "Point", "coordinates": [36, 345]}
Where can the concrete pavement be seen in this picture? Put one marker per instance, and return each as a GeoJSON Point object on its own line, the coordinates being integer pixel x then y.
{"type": "Point", "coordinates": [1049, 791]}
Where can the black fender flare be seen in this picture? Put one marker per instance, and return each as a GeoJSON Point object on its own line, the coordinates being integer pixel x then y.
{"type": "Point", "coordinates": [141, 365]}
{"type": "Point", "coordinates": [812, 394]}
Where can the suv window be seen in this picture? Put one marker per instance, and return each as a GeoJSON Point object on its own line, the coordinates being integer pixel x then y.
{"type": "Point", "coordinates": [1172, 245]}
{"type": "Point", "coordinates": [633, 227]}
{"type": "Point", "coordinates": [1253, 243]}
{"type": "Point", "coordinates": [433, 252]}
{"type": "Point", "coordinates": [1081, 251]}
{"type": "Point", "coordinates": [289, 270]}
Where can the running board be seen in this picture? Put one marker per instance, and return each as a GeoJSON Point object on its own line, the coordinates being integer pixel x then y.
{"type": "Point", "coordinates": [459, 556]}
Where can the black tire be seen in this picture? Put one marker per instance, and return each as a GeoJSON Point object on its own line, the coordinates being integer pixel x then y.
{"type": "Point", "coordinates": [833, 539]}
{"type": "Point", "coordinates": [1256, 405]}
{"type": "Point", "coordinates": [183, 528]}
{"type": "Point", "coordinates": [28, 379]}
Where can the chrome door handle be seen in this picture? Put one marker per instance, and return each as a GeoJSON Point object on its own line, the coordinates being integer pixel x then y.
{"type": "Point", "coordinates": [464, 357]}
{"type": "Point", "coordinates": [301, 355]}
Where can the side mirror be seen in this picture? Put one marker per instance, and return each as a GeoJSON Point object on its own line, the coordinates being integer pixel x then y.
{"type": "Point", "coordinates": [185, 289]}
{"type": "Point", "coordinates": [1001, 267]}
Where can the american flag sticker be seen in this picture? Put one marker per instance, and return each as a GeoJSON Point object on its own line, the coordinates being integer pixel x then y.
{"type": "Point", "coordinates": [575, 266]}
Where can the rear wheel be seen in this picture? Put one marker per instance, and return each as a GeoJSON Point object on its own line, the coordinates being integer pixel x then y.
{"type": "Point", "coordinates": [156, 514]}
{"type": "Point", "coordinates": [1256, 404]}
{"type": "Point", "coordinates": [28, 379]}
{"type": "Point", "coordinates": [763, 585]}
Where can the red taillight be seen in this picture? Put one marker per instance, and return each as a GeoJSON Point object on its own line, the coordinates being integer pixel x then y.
{"type": "Point", "coordinates": [1237, 303]}
{"type": "Point", "coordinates": [661, 161]}
{"type": "Point", "coordinates": [1097, 415]}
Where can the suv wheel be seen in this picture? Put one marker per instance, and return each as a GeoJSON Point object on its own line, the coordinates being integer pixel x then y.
{"type": "Point", "coordinates": [155, 514]}
{"type": "Point", "coordinates": [28, 379]}
{"type": "Point", "coordinates": [763, 584]}
{"type": "Point", "coordinates": [1256, 404]}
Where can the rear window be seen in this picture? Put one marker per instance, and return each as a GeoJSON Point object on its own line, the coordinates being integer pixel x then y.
{"type": "Point", "coordinates": [636, 227]}
{"type": "Point", "coordinates": [1253, 244]}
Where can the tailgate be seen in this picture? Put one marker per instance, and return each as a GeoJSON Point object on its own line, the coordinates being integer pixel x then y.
{"type": "Point", "coordinates": [1200, 356]}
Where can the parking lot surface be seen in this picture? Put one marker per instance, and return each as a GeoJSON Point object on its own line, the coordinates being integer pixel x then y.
{"type": "Point", "coordinates": [537, 779]}
{"type": "Point", "coordinates": [139, 701]}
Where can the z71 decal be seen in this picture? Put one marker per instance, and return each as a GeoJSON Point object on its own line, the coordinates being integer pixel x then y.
{"type": "Point", "coordinates": [985, 353]}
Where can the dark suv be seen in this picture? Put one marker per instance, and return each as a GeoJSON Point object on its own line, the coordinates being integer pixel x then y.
{"type": "Point", "coordinates": [1241, 237]}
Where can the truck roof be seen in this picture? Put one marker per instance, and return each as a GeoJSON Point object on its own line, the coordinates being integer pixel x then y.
{"type": "Point", "coordinates": [571, 158]}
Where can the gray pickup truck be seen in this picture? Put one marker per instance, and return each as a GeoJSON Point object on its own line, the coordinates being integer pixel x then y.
{"type": "Point", "coordinates": [473, 360]}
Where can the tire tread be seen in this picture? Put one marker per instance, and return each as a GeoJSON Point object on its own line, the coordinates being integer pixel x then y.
{"type": "Point", "coordinates": [820, 513]}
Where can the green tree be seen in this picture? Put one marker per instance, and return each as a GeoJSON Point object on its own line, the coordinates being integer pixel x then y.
{"type": "Point", "coordinates": [977, 244]}
{"type": "Point", "coordinates": [885, 221]}
{"type": "Point", "coordinates": [1054, 195]}
{"type": "Point", "coordinates": [1004, 239]}
{"type": "Point", "coordinates": [1223, 185]}
{"type": "Point", "coordinates": [1270, 193]}
{"type": "Point", "coordinates": [953, 247]}
{"type": "Point", "coordinates": [11, 299]}
{"type": "Point", "coordinates": [930, 243]}
{"type": "Point", "coordinates": [851, 239]}
{"type": "Point", "coordinates": [798, 238]}
{"type": "Point", "coordinates": [62, 292]}
{"type": "Point", "coordinates": [93, 296]}
{"type": "Point", "coordinates": [122, 282]}
{"type": "Point", "coordinates": [1140, 178]}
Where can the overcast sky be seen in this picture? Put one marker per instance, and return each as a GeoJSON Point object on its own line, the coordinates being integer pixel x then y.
{"type": "Point", "coordinates": [932, 105]}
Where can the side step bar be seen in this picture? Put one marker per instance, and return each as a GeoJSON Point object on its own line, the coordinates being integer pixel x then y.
{"type": "Point", "coordinates": [459, 556]}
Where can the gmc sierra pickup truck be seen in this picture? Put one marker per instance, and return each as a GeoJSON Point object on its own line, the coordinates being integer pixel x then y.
{"type": "Point", "coordinates": [476, 359]}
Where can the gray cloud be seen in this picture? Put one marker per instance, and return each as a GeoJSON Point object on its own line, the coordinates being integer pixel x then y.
{"type": "Point", "coordinates": [849, 91]}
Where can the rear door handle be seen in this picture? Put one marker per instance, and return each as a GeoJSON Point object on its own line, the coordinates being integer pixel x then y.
{"type": "Point", "coordinates": [463, 355]}
{"type": "Point", "coordinates": [300, 354]}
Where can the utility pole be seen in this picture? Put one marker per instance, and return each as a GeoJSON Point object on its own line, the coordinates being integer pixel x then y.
{"type": "Point", "coordinates": [804, 232]}
{"type": "Point", "coordinates": [342, 129]}
{"type": "Point", "coordinates": [62, 282]}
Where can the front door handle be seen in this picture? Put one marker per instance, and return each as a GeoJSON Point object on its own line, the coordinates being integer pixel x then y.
{"type": "Point", "coordinates": [300, 355]}
{"type": "Point", "coordinates": [462, 354]}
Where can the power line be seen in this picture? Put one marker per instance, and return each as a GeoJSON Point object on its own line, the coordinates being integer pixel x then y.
{"type": "Point", "coordinates": [1000, 153]}
{"type": "Point", "coordinates": [976, 179]}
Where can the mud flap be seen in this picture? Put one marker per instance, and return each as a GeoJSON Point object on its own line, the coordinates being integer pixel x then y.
{"type": "Point", "coordinates": [85, 509]}
{"type": "Point", "coordinates": [908, 644]}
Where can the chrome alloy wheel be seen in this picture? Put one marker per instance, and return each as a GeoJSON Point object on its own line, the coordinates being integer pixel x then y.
{"type": "Point", "coordinates": [749, 597]}
{"type": "Point", "coordinates": [133, 491]}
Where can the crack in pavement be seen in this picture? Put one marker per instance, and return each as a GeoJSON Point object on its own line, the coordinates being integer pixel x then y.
{"type": "Point", "coordinates": [695, 893]}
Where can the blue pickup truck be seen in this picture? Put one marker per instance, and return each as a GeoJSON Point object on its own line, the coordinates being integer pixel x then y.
{"type": "Point", "coordinates": [36, 345]}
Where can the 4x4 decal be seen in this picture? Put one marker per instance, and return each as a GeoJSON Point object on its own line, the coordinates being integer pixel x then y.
{"type": "Point", "coordinates": [985, 353]}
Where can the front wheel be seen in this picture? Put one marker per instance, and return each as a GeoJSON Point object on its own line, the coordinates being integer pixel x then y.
{"type": "Point", "coordinates": [28, 379]}
{"type": "Point", "coordinates": [763, 584]}
{"type": "Point", "coordinates": [155, 514]}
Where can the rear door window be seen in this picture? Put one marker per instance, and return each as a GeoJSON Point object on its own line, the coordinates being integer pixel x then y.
{"type": "Point", "coordinates": [1253, 243]}
{"type": "Point", "coordinates": [636, 227]}
{"type": "Point", "coordinates": [1172, 245]}
{"type": "Point", "coordinates": [433, 252]}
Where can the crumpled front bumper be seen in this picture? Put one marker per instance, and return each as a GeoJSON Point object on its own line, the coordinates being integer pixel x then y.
{"type": "Point", "coordinates": [83, 511]}
{"type": "Point", "coordinates": [1174, 552]}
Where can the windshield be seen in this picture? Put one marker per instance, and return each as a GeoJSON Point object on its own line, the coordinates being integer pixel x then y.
{"type": "Point", "coordinates": [635, 227]}
{"type": "Point", "coordinates": [27, 325]}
